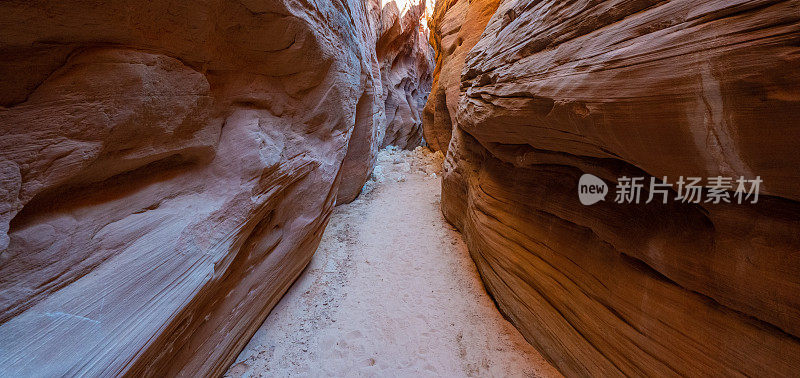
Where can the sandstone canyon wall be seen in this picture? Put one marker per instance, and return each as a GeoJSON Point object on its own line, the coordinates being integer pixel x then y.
{"type": "Point", "coordinates": [402, 74]}
{"type": "Point", "coordinates": [456, 28]}
{"type": "Point", "coordinates": [167, 169]}
{"type": "Point", "coordinates": [406, 60]}
{"type": "Point", "coordinates": [550, 90]}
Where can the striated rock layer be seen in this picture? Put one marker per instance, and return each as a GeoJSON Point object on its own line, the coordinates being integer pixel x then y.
{"type": "Point", "coordinates": [406, 61]}
{"type": "Point", "coordinates": [555, 89]}
{"type": "Point", "coordinates": [390, 113]}
{"type": "Point", "coordinates": [166, 172]}
{"type": "Point", "coordinates": [456, 28]}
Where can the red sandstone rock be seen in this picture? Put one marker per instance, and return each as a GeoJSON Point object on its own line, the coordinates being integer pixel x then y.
{"type": "Point", "coordinates": [456, 27]}
{"type": "Point", "coordinates": [406, 60]}
{"type": "Point", "coordinates": [555, 89]}
{"type": "Point", "coordinates": [389, 112]}
{"type": "Point", "coordinates": [166, 171]}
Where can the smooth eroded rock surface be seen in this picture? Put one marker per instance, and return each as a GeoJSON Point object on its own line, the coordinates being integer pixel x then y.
{"type": "Point", "coordinates": [389, 113]}
{"type": "Point", "coordinates": [555, 89]}
{"type": "Point", "coordinates": [167, 170]}
{"type": "Point", "coordinates": [455, 29]}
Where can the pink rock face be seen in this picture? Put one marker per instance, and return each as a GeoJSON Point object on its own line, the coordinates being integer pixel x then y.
{"type": "Point", "coordinates": [400, 74]}
{"type": "Point", "coordinates": [556, 89]}
{"type": "Point", "coordinates": [166, 172]}
{"type": "Point", "coordinates": [406, 60]}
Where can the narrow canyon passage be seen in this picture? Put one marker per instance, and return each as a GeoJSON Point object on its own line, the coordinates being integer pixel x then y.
{"type": "Point", "coordinates": [390, 291]}
{"type": "Point", "coordinates": [609, 186]}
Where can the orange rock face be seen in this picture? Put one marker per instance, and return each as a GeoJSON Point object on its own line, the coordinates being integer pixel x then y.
{"type": "Point", "coordinates": [456, 28]}
{"type": "Point", "coordinates": [553, 90]}
{"type": "Point", "coordinates": [166, 171]}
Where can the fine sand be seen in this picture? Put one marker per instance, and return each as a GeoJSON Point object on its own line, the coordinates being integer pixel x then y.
{"type": "Point", "coordinates": [391, 291]}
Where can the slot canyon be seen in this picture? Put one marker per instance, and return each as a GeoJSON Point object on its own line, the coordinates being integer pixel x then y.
{"type": "Point", "coordinates": [396, 188]}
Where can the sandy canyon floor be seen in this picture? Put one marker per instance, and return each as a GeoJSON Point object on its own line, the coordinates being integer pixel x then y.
{"type": "Point", "coordinates": [391, 291]}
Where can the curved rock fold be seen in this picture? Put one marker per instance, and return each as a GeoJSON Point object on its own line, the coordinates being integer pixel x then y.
{"type": "Point", "coordinates": [550, 90]}
{"type": "Point", "coordinates": [168, 168]}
